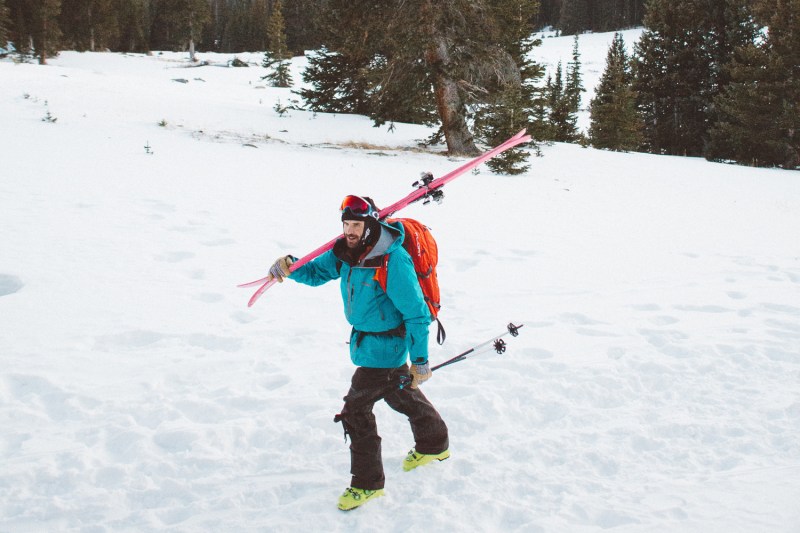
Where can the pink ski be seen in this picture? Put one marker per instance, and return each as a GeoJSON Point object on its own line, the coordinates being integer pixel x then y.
{"type": "Point", "coordinates": [423, 191]}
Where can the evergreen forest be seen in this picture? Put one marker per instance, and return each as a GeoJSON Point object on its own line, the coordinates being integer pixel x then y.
{"type": "Point", "coordinates": [716, 79]}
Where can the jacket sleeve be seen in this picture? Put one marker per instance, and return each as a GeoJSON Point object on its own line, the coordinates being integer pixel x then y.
{"type": "Point", "coordinates": [403, 290]}
{"type": "Point", "coordinates": [320, 270]}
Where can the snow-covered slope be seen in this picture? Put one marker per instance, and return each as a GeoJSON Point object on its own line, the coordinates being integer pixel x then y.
{"type": "Point", "coordinates": [654, 387]}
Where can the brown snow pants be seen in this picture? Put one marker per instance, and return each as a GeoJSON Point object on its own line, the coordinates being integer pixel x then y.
{"type": "Point", "coordinates": [428, 428]}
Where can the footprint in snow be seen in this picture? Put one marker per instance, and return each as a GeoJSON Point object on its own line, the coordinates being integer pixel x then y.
{"type": "Point", "coordinates": [215, 343]}
{"type": "Point", "coordinates": [128, 339]}
{"type": "Point", "coordinates": [664, 320]}
{"type": "Point", "coordinates": [209, 297]}
{"type": "Point", "coordinates": [783, 309]}
{"type": "Point", "coordinates": [174, 257]}
{"type": "Point", "coordinates": [590, 332]}
{"type": "Point", "coordinates": [704, 308]}
{"type": "Point", "coordinates": [465, 264]}
{"type": "Point", "coordinates": [578, 319]}
{"type": "Point", "coordinates": [736, 295]}
{"type": "Point", "coordinates": [219, 242]}
{"type": "Point", "coordinates": [9, 284]}
{"type": "Point", "coordinates": [647, 307]}
{"type": "Point", "coordinates": [175, 441]}
{"type": "Point", "coordinates": [158, 206]}
{"type": "Point", "coordinates": [243, 317]}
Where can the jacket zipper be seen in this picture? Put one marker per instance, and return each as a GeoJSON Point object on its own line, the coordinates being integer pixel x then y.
{"type": "Point", "coordinates": [349, 293]}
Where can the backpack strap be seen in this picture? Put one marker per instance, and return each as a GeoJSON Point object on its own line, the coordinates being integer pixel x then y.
{"type": "Point", "coordinates": [382, 273]}
{"type": "Point", "coordinates": [381, 276]}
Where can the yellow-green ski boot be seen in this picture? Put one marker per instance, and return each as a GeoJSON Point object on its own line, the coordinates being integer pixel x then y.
{"type": "Point", "coordinates": [415, 459]}
{"type": "Point", "coordinates": [353, 497]}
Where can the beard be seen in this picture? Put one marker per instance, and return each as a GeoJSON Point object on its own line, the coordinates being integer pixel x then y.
{"type": "Point", "coordinates": [352, 240]}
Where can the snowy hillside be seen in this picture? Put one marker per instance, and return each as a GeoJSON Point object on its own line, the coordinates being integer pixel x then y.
{"type": "Point", "coordinates": [654, 387]}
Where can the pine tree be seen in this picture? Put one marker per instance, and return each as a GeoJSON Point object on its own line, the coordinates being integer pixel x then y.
{"type": "Point", "coordinates": [759, 111]}
{"type": "Point", "coordinates": [578, 16]}
{"type": "Point", "coordinates": [513, 107]}
{"type": "Point", "coordinates": [258, 28]}
{"type": "Point", "coordinates": [615, 121]}
{"type": "Point", "coordinates": [548, 14]}
{"type": "Point", "coordinates": [247, 26]}
{"type": "Point", "coordinates": [233, 22]}
{"type": "Point", "coordinates": [277, 55]}
{"type": "Point", "coordinates": [556, 115]}
{"type": "Point", "coordinates": [632, 13]}
{"type": "Point", "coordinates": [575, 16]}
{"type": "Point", "coordinates": [539, 125]}
{"type": "Point", "coordinates": [465, 64]}
{"type": "Point", "coordinates": [672, 72]}
{"type": "Point", "coordinates": [302, 25]}
{"type": "Point", "coordinates": [34, 27]}
{"type": "Point", "coordinates": [345, 72]}
{"type": "Point", "coordinates": [406, 60]}
{"type": "Point", "coordinates": [35, 24]}
{"type": "Point", "coordinates": [510, 113]}
{"type": "Point", "coordinates": [191, 19]}
{"type": "Point", "coordinates": [679, 65]}
{"type": "Point", "coordinates": [237, 26]}
{"type": "Point", "coordinates": [89, 24]}
{"type": "Point", "coordinates": [610, 15]}
{"type": "Point", "coordinates": [574, 83]}
{"type": "Point", "coordinates": [5, 23]}
{"type": "Point", "coordinates": [179, 24]}
{"type": "Point", "coordinates": [133, 25]}
{"type": "Point", "coordinates": [562, 116]}
{"type": "Point", "coordinates": [747, 112]}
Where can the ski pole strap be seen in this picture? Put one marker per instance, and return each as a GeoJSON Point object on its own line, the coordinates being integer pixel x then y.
{"type": "Point", "coordinates": [399, 331]}
{"type": "Point", "coordinates": [441, 334]}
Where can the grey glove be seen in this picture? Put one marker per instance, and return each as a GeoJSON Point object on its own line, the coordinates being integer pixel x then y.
{"type": "Point", "coordinates": [420, 373]}
{"type": "Point", "coordinates": [280, 270]}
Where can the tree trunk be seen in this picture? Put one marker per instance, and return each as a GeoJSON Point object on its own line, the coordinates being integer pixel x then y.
{"type": "Point", "coordinates": [42, 44]}
{"type": "Point", "coordinates": [449, 104]}
{"type": "Point", "coordinates": [191, 37]}
{"type": "Point", "coordinates": [91, 29]}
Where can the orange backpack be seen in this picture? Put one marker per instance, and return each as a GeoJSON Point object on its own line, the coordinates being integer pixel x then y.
{"type": "Point", "coordinates": [421, 246]}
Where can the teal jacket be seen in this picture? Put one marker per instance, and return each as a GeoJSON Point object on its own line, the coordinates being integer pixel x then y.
{"type": "Point", "coordinates": [369, 309]}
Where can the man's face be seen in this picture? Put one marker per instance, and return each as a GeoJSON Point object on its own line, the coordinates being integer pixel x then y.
{"type": "Point", "coordinates": [353, 231]}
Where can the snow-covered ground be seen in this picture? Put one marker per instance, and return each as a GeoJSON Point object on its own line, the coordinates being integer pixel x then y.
{"type": "Point", "coordinates": [654, 387]}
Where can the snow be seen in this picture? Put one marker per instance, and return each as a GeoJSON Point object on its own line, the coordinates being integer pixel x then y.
{"type": "Point", "coordinates": [655, 385]}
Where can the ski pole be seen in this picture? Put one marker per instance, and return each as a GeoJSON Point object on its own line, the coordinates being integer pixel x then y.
{"type": "Point", "coordinates": [497, 343]}
{"type": "Point", "coordinates": [373, 395]}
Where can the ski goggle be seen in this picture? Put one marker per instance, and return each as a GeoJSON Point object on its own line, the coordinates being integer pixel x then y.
{"type": "Point", "coordinates": [357, 206]}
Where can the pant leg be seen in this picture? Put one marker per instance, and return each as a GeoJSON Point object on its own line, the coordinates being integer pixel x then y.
{"type": "Point", "coordinates": [366, 463]}
{"type": "Point", "coordinates": [430, 431]}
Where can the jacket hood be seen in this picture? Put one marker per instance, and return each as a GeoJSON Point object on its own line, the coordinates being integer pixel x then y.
{"type": "Point", "coordinates": [392, 235]}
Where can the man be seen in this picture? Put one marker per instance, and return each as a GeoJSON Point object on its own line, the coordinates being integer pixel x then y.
{"type": "Point", "coordinates": [388, 328]}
